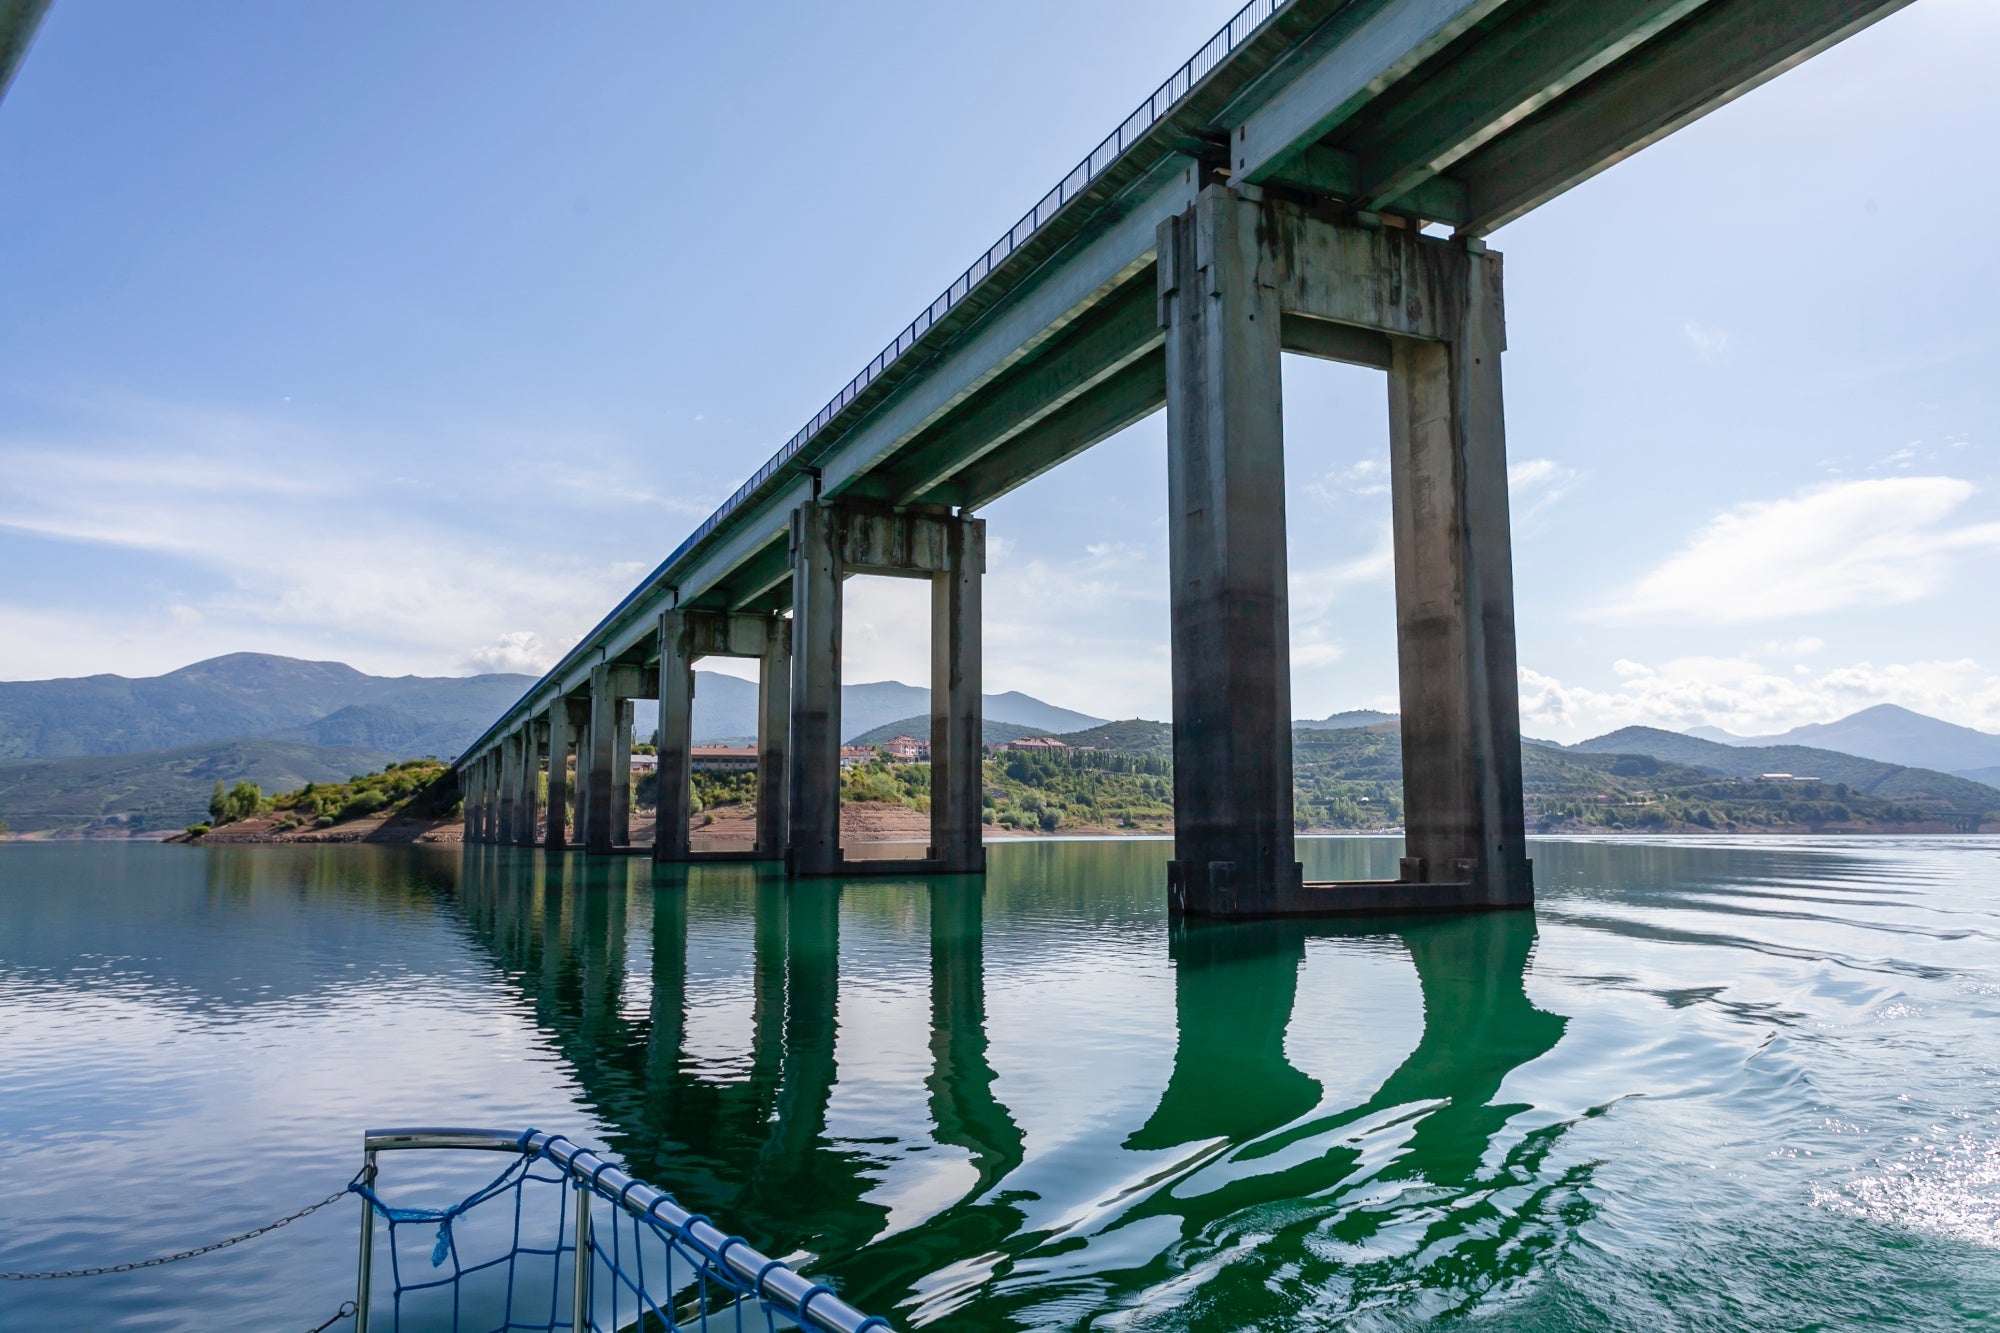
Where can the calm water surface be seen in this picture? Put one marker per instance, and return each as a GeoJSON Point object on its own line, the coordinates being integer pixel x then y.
{"type": "Point", "coordinates": [1710, 1085]}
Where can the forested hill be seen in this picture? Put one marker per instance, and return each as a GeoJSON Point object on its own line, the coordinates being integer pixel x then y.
{"type": "Point", "coordinates": [1352, 778]}
{"type": "Point", "coordinates": [164, 789]}
{"type": "Point", "coordinates": [250, 695]}
{"type": "Point", "coordinates": [1871, 776]}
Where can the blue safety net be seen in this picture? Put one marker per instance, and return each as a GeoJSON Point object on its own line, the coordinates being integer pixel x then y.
{"type": "Point", "coordinates": [503, 1258]}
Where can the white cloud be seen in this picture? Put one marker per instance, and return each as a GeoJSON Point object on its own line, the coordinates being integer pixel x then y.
{"type": "Point", "coordinates": [1850, 543]}
{"type": "Point", "coordinates": [1709, 341]}
{"type": "Point", "coordinates": [518, 650]}
{"type": "Point", "coordinates": [319, 541]}
{"type": "Point", "coordinates": [1534, 485]}
{"type": "Point", "coordinates": [1748, 697]}
{"type": "Point", "coordinates": [1370, 476]}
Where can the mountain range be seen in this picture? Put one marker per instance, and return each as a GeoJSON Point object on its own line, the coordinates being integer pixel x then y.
{"type": "Point", "coordinates": [1873, 776]}
{"type": "Point", "coordinates": [113, 753]}
{"type": "Point", "coordinates": [1892, 734]}
{"type": "Point", "coordinates": [725, 708]}
{"type": "Point", "coordinates": [245, 695]}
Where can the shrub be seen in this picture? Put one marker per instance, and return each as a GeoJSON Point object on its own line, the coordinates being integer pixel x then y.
{"type": "Point", "coordinates": [198, 830]}
{"type": "Point", "coordinates": [364, 803]}
{"type": "Point", "coordinates": [239, 802]}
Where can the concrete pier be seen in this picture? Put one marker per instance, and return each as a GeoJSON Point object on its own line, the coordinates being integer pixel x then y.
{"type": "Point", "coordinates": [528, 802]}
{"type": "Point", "coordinates": [958, 749]}
{"type": "Point", "coordinates": [685, 637]}
{"type": "Point", "coordinates": [598, 781]}
{"type": "Point", "coordinates": [1242, 279]}
{"type": "Point", "coordinates": [621, 776]}
{"type": "Point", "coordinates": [510, 785]}
{"type": "Point", "coordinates": [774, 722]}
{"type": "Point", "coordinates": [830, 542]}
{"type": "Point", "coordinates": [670, 829]}
{"type": "Point", "coordinates": [813, 846]}
{"type": "Point", "coordinates": [1231, 631]}
{"type": "Point", "coordinates": [556, 834]}
{"type": "Point", "coordinates": [1462, 801]}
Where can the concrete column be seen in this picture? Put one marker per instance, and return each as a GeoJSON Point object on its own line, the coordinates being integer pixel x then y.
{"type": "Point", "coordinates": [487, 823]}
{"type": "Point", "coordinates": [774, 721]}
{"type": "Point", "coordinates": [814, 836]}
{"type": "Point", "coordinates": [556, 836]}
{"type": "Point", "coordinates": [468, 786]}
{"type": "Point", "coordinates": [599, 782]}
{"type": "Point", "coordinates": [527, 814]}
{"type": "Point", "coordinates": [621, 778]}
{"type": "Point", "coordinates": [957, 748]}
{"type": "Point", "coordinates": [670, 834]}
{"type": "Point", "coordinates": [1231, 631]}
{"type": "Point", "coordinates": [1455, 603]}
{"type": "Point", "coordinates": [510, 784]}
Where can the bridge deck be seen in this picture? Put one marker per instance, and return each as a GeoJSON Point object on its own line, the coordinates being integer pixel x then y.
{"type": "Point", "coordinates": [1463, 112]}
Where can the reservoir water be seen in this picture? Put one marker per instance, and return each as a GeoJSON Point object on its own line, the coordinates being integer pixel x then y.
{"type": "Point", "coordinates": [1705, 1085]}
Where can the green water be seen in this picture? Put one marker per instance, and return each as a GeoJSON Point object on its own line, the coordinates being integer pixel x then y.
{"type": "Point", "coordinates": [1718, 1085]}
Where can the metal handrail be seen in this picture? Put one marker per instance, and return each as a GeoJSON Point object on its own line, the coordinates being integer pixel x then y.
{"type": "Point", "coordinates": [1245, 23]}
{"type": "Point", "coordinates": [804, 1300]}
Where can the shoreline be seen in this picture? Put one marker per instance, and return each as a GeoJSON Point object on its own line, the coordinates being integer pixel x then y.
{"type": "Point", "coordinates": [733, 828]}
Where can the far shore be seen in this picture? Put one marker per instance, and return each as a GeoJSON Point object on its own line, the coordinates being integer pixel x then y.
{"type": "Point", "coordinates": [733, 828]}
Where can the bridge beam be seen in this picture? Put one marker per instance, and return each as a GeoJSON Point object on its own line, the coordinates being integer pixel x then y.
{"type": "Point", "coordinates": [1240, 280]}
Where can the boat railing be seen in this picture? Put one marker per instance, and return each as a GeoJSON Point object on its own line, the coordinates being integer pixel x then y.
{"type": "Point", "coordinates": [567, 1240]}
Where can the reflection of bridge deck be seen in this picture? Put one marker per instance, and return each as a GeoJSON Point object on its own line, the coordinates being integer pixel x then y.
{"type": "Point", "coordinates": [1272, 196]}
{"type": "Point", "coordinates": [756, 1146]}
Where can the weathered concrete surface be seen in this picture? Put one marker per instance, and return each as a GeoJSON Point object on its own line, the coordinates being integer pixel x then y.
{"type": "Point", "coordinates": [556, 834]}
{"type": "Point", "coordinates": [670, 827]}
{"type": "Point", "coordinates": [957, 733]}
{"type": "Point", "coordinates": [1234, 270]}
{"type": "Point", "coordinates": [1462, 799]}
{"type": "Point", "coordinates": [1231, 632]}
{"type": "Point", "coordinates": [774, 723]}
{"type": "Point", "coordinates": [814, 842]}
{"type": "Point", "coordinates": [600, 784]}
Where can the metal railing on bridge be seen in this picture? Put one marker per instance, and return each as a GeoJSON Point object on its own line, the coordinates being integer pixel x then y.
{"type": "Point", "coordinates": [562, 1239]}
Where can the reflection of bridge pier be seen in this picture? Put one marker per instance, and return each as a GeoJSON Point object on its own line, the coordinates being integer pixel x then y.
{"type": "Point", "coordinates": [1238, 1128]}
{"type": "Point", "coordinates": [1235, 986]}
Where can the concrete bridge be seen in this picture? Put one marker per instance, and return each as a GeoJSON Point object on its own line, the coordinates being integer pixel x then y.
{"type": "Point", "coordinates": [1277, 194]}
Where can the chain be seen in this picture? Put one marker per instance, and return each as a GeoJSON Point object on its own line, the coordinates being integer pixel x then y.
{"type": "Point", "coordinates": [346, 1311]}
{"type": "Point", "coordinates": [184, 1254]}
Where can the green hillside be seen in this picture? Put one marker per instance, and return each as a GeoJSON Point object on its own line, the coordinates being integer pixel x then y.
{"type": "Point", "coordinates": [163, 789]}
{"type": "Point", "coordinates": [919, 728]}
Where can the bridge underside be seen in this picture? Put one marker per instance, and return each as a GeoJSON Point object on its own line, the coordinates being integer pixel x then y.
{"type": "Point", "coordinates": [1276, 201]}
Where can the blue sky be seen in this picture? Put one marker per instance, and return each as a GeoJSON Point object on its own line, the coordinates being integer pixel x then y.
{"type": "Point", "coordinates": [411, 336]}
